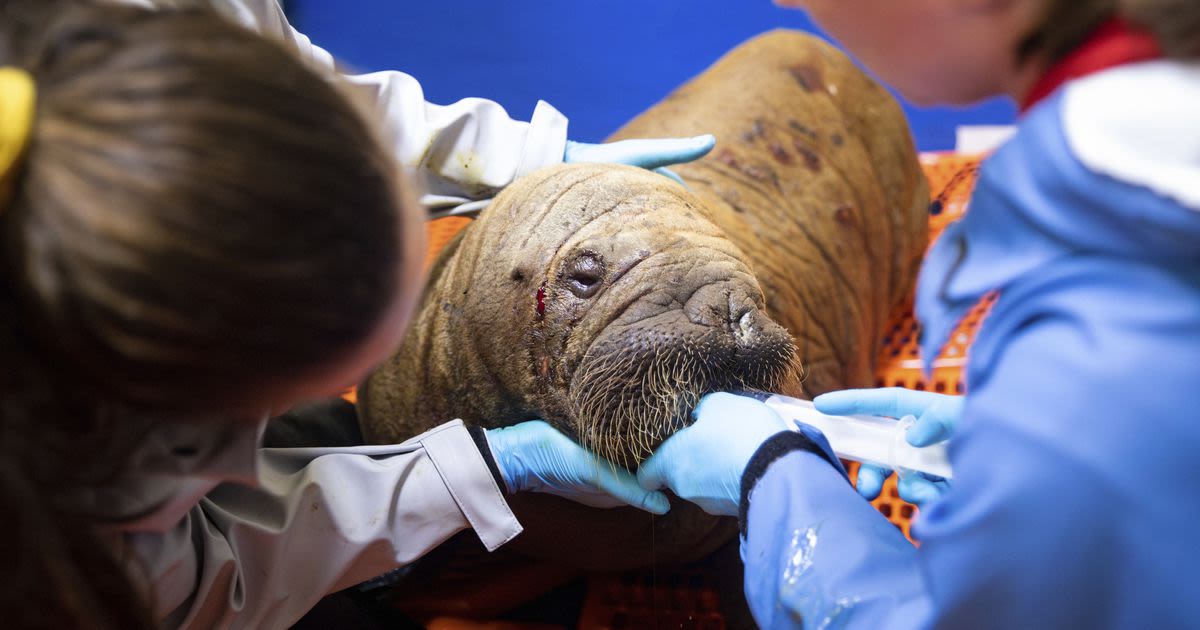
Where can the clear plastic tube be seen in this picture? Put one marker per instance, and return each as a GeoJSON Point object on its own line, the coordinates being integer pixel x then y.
{"type": "Point", "coordinates": [867, 439]}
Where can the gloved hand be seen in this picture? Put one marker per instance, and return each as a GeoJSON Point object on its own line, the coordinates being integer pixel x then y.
{"type": "Point", "coordinates": [704, 462]}
{"type": "Point", "coordinates": [535, 456]}
{"type": "Point", "coordinates": [652, 154]}
{"type": "Point", "coordinates": [936, 417]}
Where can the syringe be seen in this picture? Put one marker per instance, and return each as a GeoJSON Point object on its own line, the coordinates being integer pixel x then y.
{"type": "Point", "coordinates": [867, 439]}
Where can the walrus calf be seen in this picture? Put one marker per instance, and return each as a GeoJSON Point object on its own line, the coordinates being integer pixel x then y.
{"type": "Point", "coordinates": [607, 299]}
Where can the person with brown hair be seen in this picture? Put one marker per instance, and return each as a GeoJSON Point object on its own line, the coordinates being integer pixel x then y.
{"type": "Point", "coordinates": [1074, 500]}
{"type": "Point", "coordinates": [200, 228]}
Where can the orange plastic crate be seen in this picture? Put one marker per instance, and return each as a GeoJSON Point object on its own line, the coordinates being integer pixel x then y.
{"type": "Point", "coordinates": [951, 180]}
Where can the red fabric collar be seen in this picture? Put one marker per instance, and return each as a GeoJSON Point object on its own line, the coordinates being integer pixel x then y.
{"type": "Point", "coordinates": [1114, 43]}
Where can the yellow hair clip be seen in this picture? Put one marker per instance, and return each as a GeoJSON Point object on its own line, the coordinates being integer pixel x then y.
{"type": "Point", "coordinates": [18, 99]}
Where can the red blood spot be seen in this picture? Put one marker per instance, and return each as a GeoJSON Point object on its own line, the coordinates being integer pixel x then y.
{"type": "Point", "coordinates": [541, 301]}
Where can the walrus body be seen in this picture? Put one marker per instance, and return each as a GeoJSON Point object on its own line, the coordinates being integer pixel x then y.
{"type": "Point", "coordinates": [608, 299]}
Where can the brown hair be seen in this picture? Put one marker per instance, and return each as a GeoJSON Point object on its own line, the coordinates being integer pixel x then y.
{"type": "Point", "coordinates": [198, 216]}
{"type": "Point", "coordinates": [1175, 23]}
{"type": "Point", "coordinates": [1066, 23]}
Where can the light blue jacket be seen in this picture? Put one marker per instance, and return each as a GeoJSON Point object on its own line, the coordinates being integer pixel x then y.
{"type": "Point", "coordinates": [1076, 499]}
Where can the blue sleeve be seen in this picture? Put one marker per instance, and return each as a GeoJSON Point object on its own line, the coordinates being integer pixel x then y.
{"type": "Point", "coordinates": [1074, 502]}
{"type": "Point", "coordinates": [817, 555]}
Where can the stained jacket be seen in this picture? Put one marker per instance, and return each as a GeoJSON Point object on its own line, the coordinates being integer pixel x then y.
{"type": "Point", "coordinates": [460, 154]}
{"type": "Point", "coordinates": [1074, 503]}
{"type": "Point", "coordinates": [225, 534]}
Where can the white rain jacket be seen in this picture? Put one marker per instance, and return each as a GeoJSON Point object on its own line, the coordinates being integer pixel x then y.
{"type": "Point", "coordinates": [231, 535]}
{"type": "Point", "coordinates": [461, 154]}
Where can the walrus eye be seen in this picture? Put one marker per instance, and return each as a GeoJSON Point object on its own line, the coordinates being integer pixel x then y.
{"type": "Point", "coordinates": [585, 275]}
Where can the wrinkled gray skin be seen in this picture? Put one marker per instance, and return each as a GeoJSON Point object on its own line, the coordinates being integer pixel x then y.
{"type": "Point", "coordinates": [589, 295]}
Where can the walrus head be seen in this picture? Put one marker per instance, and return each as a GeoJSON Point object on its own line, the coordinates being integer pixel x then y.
{"type": "Point", "coordinates": [637, 306]}
{"type": "Point", "coordinates": [598, 297]}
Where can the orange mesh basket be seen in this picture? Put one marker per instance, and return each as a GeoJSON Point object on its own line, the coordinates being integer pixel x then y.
{"type": "Point", "coordinates": [951, 180]}
{"type": "Point", "coordinates": [439, 232]}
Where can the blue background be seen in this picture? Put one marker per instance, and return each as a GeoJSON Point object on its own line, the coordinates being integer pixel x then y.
{"type": "Point", "coordinates": [600, 62]}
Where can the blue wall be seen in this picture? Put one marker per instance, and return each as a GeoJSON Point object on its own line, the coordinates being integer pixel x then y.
{"type": "Point", "coordinates": [600, 62]}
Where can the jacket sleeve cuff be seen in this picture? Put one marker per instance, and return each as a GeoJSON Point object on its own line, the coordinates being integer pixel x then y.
{"type": "Point", "coordinates": [776, 447]}
{"type": "Point", "coordinates": [455, 456]}
{"type": "Point", "coordinates": [479, 436]}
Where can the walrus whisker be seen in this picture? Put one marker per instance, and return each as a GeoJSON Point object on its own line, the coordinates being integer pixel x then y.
{"type": "Point", "coordinates": [626, 403]}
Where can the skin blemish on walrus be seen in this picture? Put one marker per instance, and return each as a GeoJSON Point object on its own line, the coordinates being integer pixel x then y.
{"type": "Point", "coordinates": [762, 274]}
{"type": "Point", "coordinates": [807, 75]}
{"type": "Point", "coordinates": [726, 157]}
{"type": "Point", "coordinates": [755, 172]}
{"type": "Point", "coordinates": [779, 153]}
{"type": "Point", "coordinates": [811, 159]}
{"type": "Point", "coordinates": [755, 132]}
{"type": "Point", "coordinates": [845, 216]}
{"type": "Point", "coordinates": [800, 128]}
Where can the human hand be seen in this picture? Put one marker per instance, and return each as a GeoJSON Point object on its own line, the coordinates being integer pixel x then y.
{"type": "Point", "coordinates": [936, 416]}
{"type": "Point", "coordinates": [651, 154]}
{"type": "Point", "coordinates": [534, 456]}
{"type": "Point", "coordinates": [704, 462]}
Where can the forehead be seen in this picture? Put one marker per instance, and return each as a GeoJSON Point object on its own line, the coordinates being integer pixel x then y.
{"type": "Point", "coordinates": [568, 201]}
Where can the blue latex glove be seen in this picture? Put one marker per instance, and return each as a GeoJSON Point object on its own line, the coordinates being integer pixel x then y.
{"type": "Point", "coordinates": [936, 416]}
{"type": "Point", "coordinates": [652, 154]}
{"type": "Point", "coordinates": [704, 462]}
{"type": "Point", "coordinates": [534, 456]}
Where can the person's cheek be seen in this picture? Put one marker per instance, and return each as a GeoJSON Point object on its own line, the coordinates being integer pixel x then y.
{"type": "Point", "coordinates": [410, 281]}
{"type": "Point", "coordinates": [413, 239]}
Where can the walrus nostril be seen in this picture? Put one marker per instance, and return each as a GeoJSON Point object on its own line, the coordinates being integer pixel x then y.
{"type": "Point", "coordinates": [744, 330]}
{"type": "Point", "coordinates": [739, 308]}
{"type": "Point", "coordinates": [585, 274]}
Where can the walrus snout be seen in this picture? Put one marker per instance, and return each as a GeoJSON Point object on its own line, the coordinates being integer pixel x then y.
{"type": "Point", "coordinates": [642, 375]}
{"type": "Point", "coordinates": [727, 306]}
